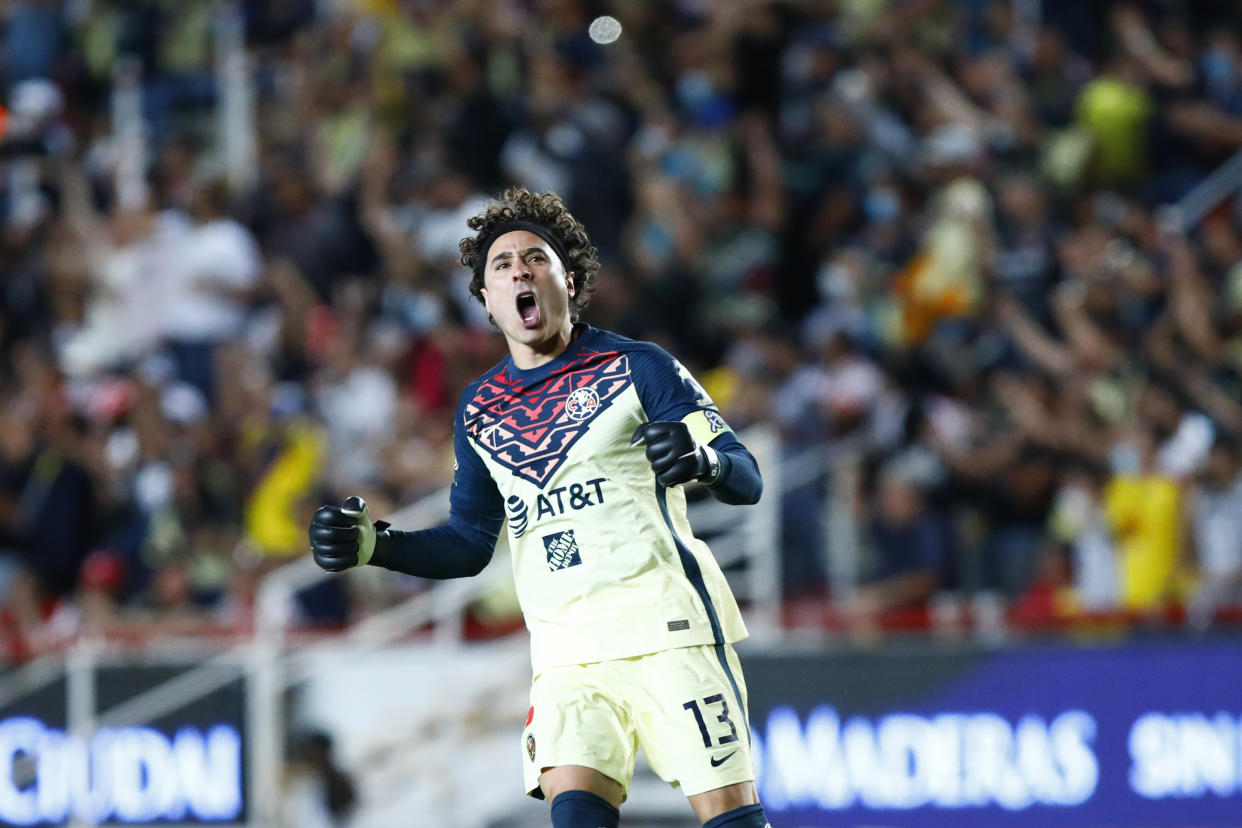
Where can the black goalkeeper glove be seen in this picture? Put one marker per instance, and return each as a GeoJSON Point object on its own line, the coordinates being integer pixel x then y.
{"type": "Point", "coordinates": [342, 537]}
{"type": "Point", "coordinates": [674, 455]}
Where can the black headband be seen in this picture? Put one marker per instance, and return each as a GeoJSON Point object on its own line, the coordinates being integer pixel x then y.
{"type": "Point", "coordinates": [499, 230]}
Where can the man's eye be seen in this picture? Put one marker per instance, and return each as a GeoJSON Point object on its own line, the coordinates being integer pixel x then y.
{"type": "Point", "coordinates": [538, 257]}
{"type": "Point", "coordinates": [502, 265]}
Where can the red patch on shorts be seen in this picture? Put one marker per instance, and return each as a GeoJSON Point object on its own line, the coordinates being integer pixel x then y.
{"type": "Point", "coordinates": [530, 716]}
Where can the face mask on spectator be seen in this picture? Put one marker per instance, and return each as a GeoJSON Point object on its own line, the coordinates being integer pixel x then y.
{"type": "Point", "coordinates": [1124, 459]}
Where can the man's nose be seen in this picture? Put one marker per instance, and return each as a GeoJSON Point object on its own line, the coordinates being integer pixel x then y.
{"type": "Point", "coordinates": [522, 271]}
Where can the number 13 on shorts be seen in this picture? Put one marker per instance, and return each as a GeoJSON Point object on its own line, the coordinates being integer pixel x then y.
{"type": "Point", "coordinates": [684, 707]}
{"type": "Point", "coordinates": [696, 734]}
{"type": "Point", "coordinates": [716, 699]}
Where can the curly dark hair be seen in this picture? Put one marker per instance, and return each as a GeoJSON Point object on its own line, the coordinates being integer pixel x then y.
{"type": "Point", "coordinates": [548, 210]}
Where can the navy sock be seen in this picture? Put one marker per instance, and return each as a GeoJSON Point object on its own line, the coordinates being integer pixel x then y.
{"type": "Point", "coordinates": [583, 809]}
{"type": "Point", "coordinates": [748, 816]}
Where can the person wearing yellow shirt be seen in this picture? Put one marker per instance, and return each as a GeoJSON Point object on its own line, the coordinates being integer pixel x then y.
{"type": "Point", "coordinates": [272, 517]}
{"type": "Point", "coordinates": [1143, 508]}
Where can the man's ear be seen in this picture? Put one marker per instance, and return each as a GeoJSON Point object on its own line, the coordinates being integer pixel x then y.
{"type": "Point", "coordinates": [483, 296]}
{"type": "Point", "coordinates": [569, 283]}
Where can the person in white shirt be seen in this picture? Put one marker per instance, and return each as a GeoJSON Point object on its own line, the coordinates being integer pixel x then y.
{"type": "Point", "coordinates": [207, 286]}
{"type": "Point", "coordinates": [1217, 521]}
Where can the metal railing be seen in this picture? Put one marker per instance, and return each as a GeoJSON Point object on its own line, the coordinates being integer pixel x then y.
{"type": "Point", "coordinates": [1220, 184]}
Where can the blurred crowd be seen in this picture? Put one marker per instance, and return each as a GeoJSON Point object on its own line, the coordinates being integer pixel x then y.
{"type": "Point", "coordinates": [929, 242]}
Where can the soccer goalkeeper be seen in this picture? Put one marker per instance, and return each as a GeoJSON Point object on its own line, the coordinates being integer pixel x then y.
{"type": "Point", "coordinates": [583, 440]}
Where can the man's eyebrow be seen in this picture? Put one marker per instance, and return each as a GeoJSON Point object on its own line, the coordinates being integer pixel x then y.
{"type": "Point", "coordinates": [507, 255]}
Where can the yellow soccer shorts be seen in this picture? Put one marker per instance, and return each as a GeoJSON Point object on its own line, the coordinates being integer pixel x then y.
{"type": "Point", "coordinates": [686, 708]}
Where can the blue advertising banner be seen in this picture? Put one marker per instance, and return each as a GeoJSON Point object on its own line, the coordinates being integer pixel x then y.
{"type": "Point", "coordinates": [1133, 735]}
{"type": "Point", "coordinates": [186, 767]}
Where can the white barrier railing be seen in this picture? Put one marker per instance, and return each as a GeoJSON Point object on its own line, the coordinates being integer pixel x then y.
{"type": "Point", "coordinates": [1190, 209]}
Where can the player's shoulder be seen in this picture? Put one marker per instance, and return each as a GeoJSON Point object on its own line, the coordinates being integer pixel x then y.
{"type": "Point", "coordinates": [657, 373]}
{"type": "Point", "coordinates": [639, 351]}
{"type": "Point", "coordinates": [471, 391]}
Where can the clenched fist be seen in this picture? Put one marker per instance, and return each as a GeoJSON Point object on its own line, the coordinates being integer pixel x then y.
{"type": "Point", "coordinates": [674, 455]}
{"type": "Point", "coordinates": [342, 537]}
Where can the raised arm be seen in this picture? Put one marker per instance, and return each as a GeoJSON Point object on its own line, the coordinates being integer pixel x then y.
{"type": "Point", "coordinates": [1034, 342]}
{"type": "Point", "coordinates": [464, 545]}
{"type": "Point", "coordinates": [344, 537]}
{"type": "Point", "coordinates": [686, 439]}
{"type": "Point", "coordinates": [458, 549]}
{"type": "Point", "coordinates": [729, 471]}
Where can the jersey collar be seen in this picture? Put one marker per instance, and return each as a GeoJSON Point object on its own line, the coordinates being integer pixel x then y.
{"type": "Point", "coordinates": [585, 336]}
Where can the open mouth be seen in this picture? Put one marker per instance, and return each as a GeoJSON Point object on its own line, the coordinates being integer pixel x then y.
{"type": "Point", "coordinates": [528, 309]}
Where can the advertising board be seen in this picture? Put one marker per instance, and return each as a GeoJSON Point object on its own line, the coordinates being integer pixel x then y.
{"type": "Point", "coordinates": [185, 767]}
{"type": "Point", "coordinates": [1137, 734]}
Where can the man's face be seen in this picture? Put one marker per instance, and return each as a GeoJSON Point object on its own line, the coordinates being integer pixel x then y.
{"type": "Point", "coordinates": [526, 289]}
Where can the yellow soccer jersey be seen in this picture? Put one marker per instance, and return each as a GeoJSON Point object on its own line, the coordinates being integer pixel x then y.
{"type": "Point", "coordinates": [604, 559]}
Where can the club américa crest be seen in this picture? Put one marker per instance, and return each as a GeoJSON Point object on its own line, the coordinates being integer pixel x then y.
{"type": "Point", "coordinates": [581, 404]}
{"type": "Point", "coordinates": [530, 746]}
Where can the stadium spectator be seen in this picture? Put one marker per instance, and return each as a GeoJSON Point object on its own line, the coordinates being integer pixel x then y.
{"type": "Point", "coordinates": [1078, 520]}
{"type": "Point", "coordinates": [910, 547]}
{"type": "Point", "coordinates": [209, 286]}
{"type": "Point", "coordinates": [1143, 506]}
{"type": "Point", "coordinates": [1217, 512]}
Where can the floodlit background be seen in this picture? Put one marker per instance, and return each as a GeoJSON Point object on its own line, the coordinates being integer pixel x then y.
{"type": "Point", "coordinates": [966, 276]}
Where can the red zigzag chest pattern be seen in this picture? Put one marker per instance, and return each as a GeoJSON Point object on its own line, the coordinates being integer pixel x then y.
{"type": "Point", "coordinates": [529, 426]}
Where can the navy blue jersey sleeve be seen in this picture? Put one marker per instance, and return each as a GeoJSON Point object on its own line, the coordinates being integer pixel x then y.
{"type": "Point", "coordinates": [464, 545]}
{"type": "Point", "coordinates": [739, 483]}
{"type": "Point", "coordinates": [665, 387]}
{"type": "Point", "coordinates": [474, 492]}
{"type": "Point", "coordinates": [670, 394]}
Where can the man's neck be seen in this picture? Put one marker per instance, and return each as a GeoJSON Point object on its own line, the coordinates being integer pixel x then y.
{"type": "Point", "coordinates": [527, 357]}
